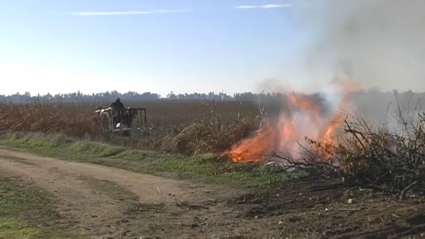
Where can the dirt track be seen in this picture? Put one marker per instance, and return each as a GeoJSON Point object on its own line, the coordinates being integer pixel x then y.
{"type": "Point", "coordinates": [98, 213]}
{"type": "Point", "coordinates": [167, 208]}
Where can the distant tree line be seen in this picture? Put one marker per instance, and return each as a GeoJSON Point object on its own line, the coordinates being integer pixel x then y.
{"type": "Point", "coordinates": [366, 97]}
{"type": "Point", "coordinates": [132, 96]}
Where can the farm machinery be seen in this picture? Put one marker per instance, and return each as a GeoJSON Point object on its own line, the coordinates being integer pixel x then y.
{"type": "Point", "coordinates": [124, 120]}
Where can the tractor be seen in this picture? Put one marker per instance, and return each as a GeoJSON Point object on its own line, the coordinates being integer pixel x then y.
{"type": "Point", "coordinates": [123, 121]}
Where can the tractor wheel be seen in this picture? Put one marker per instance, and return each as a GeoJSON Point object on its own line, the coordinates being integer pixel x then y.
{"type": "Point", "coordinates": [105, 122]}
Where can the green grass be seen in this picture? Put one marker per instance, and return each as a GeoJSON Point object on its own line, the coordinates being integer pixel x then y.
{"type": "Point", "coordinates": [27, 213]}
{"type": "Point", "coordinates": [204, 167]}
{"type": "Point", "coordinates": [94, 148]}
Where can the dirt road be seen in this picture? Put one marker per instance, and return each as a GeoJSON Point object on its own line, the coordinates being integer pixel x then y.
{"type": "Point", "coordinates": [103, 202]}
{"type": "Point", "coordinates": [101, 213]}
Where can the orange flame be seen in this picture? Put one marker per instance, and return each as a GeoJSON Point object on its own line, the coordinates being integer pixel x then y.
{"type": "Point", "coordinates": [287, 132]}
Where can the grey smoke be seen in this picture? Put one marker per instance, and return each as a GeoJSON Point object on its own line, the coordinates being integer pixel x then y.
{"type": "Point", "coordinates": [378, 42]}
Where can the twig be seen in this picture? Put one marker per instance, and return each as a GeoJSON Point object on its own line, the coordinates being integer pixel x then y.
{"type": "Point", "coordinates": [350, 130]}
{"type": "Point", "coordinates": [350, 209]}
{"type": "Point", "coordinates": [190, 206]}
{"type": "Point", "coordinates": [404, 191]}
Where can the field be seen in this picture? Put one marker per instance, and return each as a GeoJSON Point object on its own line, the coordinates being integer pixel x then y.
{"type": "Point", "coordinates": [62, 177]}
{"type": "Point", "coordinates": [215, 125]}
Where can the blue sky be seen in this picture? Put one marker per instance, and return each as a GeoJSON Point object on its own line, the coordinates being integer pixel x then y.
{"type": "Point", "coordinates": [147, 45]}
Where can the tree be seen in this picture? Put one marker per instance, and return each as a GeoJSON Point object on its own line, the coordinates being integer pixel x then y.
{"type": "Point", "coordinates": [171, 96]}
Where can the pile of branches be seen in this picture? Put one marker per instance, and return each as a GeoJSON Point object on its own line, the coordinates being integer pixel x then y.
{"type": "Point", "coordinates": [312, 163]}
{"type": "Point", "coordinates": [393, 160]}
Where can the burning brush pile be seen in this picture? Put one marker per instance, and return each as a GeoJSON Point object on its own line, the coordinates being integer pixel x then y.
{"type": "Point", "coordinates": [304, 130]}
{"type": "Point", "coordinates": [315, 135]}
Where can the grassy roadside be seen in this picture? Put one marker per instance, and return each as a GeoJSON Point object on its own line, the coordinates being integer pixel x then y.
{"type": "Point", "coordinates": [26, 213]}
{"type": "Point", "coordinates": [205, 167]}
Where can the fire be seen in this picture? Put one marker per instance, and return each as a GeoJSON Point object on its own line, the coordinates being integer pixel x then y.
{"type": "Point", "coordinates": [286, 133]}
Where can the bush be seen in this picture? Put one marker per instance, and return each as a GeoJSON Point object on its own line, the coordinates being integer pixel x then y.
{"type": "Point", "coordinates": [200, 138]}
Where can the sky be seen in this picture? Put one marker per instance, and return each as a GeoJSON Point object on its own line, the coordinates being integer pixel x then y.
{"type": "Point", "coordinates": [61, 46]}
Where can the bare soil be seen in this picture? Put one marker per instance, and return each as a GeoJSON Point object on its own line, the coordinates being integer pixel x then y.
{"type": "Point", "coordinates": [105, 202]}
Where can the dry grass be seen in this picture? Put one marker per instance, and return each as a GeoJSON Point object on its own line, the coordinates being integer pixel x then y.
{"type": "Point", "coordinates": [72, 120]}
{"type": "Point", "coordinates": [189, 127]}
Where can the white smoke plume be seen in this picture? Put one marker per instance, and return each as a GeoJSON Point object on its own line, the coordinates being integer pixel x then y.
{"type": "Point", "coordinates": [378, 42]}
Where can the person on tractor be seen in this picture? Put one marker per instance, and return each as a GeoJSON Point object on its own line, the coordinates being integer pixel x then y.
{"type": "Point", "coordinates": [118, 105]}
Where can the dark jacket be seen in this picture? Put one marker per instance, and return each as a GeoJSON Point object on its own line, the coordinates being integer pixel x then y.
{"type": "Point", "coordinates": [117, 105]}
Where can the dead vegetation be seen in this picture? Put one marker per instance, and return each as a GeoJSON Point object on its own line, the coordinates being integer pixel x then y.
{"type": "Point", "coordinates": [390, 157]}
{"type": "Point", "coordinates": [47, 118]}
{"type": "Point", "coordinates": [393, 159]}
{"type": "Point", "coordinates": [178, 127]}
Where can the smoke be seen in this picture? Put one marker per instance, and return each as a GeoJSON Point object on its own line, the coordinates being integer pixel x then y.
{"type": "Point", "coordinates": [376, 44]}
{"type": "Point", "coordinates": [380, 43]}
